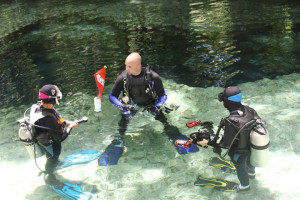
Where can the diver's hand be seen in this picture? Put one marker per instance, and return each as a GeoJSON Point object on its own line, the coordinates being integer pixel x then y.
{"type": "Point", "coordinates": [157, 110]}
{"type": "Point", "coordinates": [73, 124]}
{"type": "Point", "coordinates": [127, 107]}
{"type": "Point", "coordinates": [68, 122]}
{"type": "Point", "coordinates": [203, 143]}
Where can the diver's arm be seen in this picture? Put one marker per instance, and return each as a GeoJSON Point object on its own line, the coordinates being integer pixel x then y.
{"type": "Point", "coordinates": [67, 131]}
{"type": "Point", "coordinates": [114, 100]}
{"type": "Point", "coordinates": [229, 133]}
{"type": "Point", "coordinates": [216, 147]}
{"type": "Point", "coordinates": [55, 132]}
{"type": "Point", "coordinates": [159, 88]}
{"type": "Point", "coordinates": [161, 100]}
{"type": "Point", "coordinates": [205, 142]}
{"type": "Point", "coordinates": [115, 92]}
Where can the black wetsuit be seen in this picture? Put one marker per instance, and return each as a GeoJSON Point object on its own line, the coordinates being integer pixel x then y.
{"type": "Point", "coordinates": [139, 93]}
{"type": "Point", "coordinates": [50, 140]}
{"type": "Point", "coordinates": [136, 87]}
{"type": "Point", "coordinates": [240, 156]}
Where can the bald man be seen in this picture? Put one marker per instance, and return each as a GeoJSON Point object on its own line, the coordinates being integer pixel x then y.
{"type": "Point", "coordinates": [143, 87]}
{"type": "Point", "coordinates": [133, 83]}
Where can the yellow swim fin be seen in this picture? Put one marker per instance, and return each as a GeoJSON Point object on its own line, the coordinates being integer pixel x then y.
{"type": "Point", "coordinates": [222, 164]}
{"type": "Point", "coordinates": [218, 184]}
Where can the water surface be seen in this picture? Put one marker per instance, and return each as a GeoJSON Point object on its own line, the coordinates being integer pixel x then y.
{"type": "Point", "coordinates": [197, 47]}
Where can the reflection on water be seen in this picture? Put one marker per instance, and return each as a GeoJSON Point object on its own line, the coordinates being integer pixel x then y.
{"type": "Point", "coordinates": [189, 43]}
{"type": "Point", "coordinates": [214, 43]}
{"type": "Point", "coordinates": [213, 46]}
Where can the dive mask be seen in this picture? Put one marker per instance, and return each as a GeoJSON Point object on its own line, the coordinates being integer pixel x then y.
{"type": "Point", "coordinates": [235, 98]}
{"type": "Point", "coordinates": [44, 96]}
{"type": "Point", "coordinates": [59, 96]}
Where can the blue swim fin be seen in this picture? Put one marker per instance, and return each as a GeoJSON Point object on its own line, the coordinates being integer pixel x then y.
{"type": "Point", "coordinates": [192, 149]}
{"type": "Point", "coordinates": [73, 192]}
{"type": "Point", "coordinates": [79, 158]}
{"type": "Point", "coordinates": [112, 153]}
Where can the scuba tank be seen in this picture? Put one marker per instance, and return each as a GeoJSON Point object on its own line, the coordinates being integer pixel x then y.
{"type": "Point", "coordinates": [259, 145]}
{"type": "Point", "coordinates": [26, 136]}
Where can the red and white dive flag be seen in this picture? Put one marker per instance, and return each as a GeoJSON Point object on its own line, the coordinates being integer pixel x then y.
{"type": "Point", "coordinates": [100, 80]}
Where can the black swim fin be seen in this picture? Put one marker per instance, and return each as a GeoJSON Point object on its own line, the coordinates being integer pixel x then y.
{"type": "Point", "coordinates": [222, 164]}
{"type": "Point", "coordinates": [218, 184]}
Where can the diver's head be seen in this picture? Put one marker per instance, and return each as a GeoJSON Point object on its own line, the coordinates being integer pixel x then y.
{"type": "Point", "coordinates": [50, 94]}
{"type": "Point", "coordinates": [133, 64]}
{"type": "Point", "coordinates": [231, 97]}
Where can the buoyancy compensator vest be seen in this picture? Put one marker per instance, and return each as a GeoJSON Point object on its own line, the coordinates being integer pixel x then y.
{"type": "Point", "coordinates": [250, 135]}
{"type": "Point", "coordinates": [42, 134]}
{"type": "Point", "coordinates": [28, 132]}
{"type": "Point", "coordinates": [242, 121]}
{"type": "Point", "coordinates": [139, 89]}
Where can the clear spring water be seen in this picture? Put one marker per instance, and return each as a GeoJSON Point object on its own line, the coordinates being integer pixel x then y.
{"type": "Point", "coordinates": [151, 168]}
{"type": "Point", "coordinates": [196, 46]}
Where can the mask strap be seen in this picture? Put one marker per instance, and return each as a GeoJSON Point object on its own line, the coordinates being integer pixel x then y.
{"type": "Point", "coordinates": [236, 98]}
{"type": "Point", "coordinates": [43, 96]}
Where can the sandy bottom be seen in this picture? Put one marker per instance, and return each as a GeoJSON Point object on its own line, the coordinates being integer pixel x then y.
{"type": "Point", "coordinates": [151, 168]}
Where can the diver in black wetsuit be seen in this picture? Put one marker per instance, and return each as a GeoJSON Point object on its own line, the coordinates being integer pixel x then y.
{"type": "Point", "coordinates": [240, 149]}
{"type": "Point", "coordinates": [50, 128]}
{"type": "Point", "coordinates": [143, 87]}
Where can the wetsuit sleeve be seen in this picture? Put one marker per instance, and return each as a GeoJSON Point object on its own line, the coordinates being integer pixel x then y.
{"type": "Point", "coordinates": [53, 129]}
{"type": "Point", "coordinates": [116, 90]}
{"type": "Point", "coordinates": [213, 144]}
{"type": "Point", "coordinates": [229, 133]}
{"type": "Point", "coordinates": [159, 88]}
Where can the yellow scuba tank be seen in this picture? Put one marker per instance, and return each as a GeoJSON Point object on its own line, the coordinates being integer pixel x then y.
{"type": "Point", "coordinates": [259, 145]}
